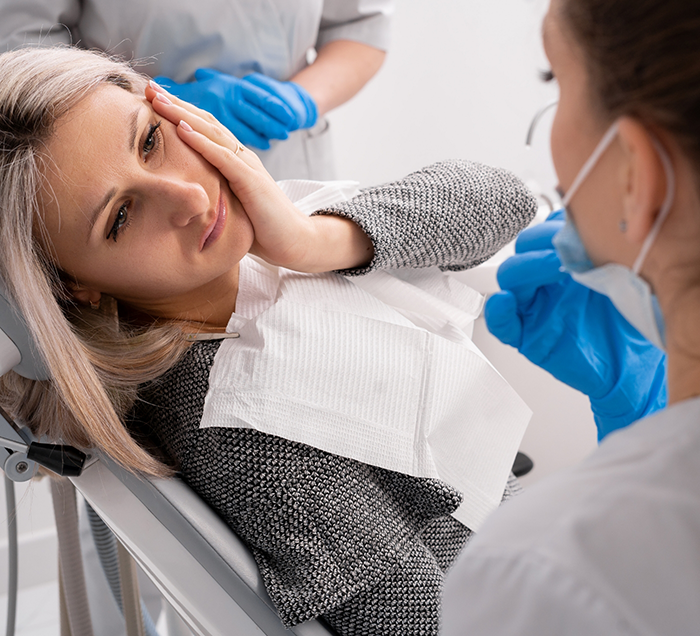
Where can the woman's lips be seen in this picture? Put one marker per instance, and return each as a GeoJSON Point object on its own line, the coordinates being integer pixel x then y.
{"type": "Point", "coordinates": [214, 231]}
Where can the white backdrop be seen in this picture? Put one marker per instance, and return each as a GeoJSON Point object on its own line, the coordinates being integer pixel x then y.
{"type": "Point", "coordinates": [461, 80]}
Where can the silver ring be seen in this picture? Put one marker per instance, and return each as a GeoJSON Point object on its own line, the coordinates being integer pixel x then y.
{"type": "Point", "coordinates": [239, 147]}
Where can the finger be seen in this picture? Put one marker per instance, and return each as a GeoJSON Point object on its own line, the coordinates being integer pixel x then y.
{"type": "Point", "coordinates": [164, 82]}
{"type": "Point", "coordinates": [263, 81]}
{"type": "Point", "coordinates": [268, 103]}
{"type": "Point", "coordinates": [557, 215]}
{"type": "Point", "coordinates": [267, 85]}
{"type": "Point", "coordinates": [203, 74]}
{"type": "Point", "coordinates": [234, 166]}
{"type": "Point", "coordinates": [198, 119]}
{"type": "Point", "coordinates": [258, 98]}
{"type": "Point", "coordinates": [160, 101]}
{"type": "Point", "coordinates": [168, 99]}
{"type": "Point", "coordinates": [172, 108]}
{"type": "Point", "coordinates": [538, 237]}
{"type": "Point", "coordinates": [502, 319]}
{"type": "Point", "coordinates": [260, 122]}
{"type": "Point", "coordinates": [247, 136]}
{"type": "Point", "coordinates": [524, 274]}
{"type": "Point", "coordinates": [260, 125]}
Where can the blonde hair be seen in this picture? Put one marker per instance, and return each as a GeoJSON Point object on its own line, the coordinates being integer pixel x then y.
{"type": "Point", "coordinates": [95, 365]}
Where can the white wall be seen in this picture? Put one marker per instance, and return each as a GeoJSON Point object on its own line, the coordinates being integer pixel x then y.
{"type": "Point", "coordinates": [461, 80]}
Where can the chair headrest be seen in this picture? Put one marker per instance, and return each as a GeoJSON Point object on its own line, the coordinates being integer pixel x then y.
{"type": "Point", "coordinates": [30, 365]}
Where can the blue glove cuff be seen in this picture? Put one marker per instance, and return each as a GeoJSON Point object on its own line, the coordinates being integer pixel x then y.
{"type": "Point", "coordinates": [656, 399]}
{"type": "Point", "coordinates": [309, 104]}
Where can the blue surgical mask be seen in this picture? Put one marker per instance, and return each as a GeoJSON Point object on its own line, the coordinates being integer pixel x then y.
{"type": "Point", "coordinates": [631, 294]}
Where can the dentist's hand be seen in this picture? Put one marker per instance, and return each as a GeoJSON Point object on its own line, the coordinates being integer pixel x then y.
{"type": "Point", "coordinates": [250, 110]}
{"type": "Point", "coordinates": [294, 96]}
{"type": "Point", "coordinates": [283, 235]}
{"type": "Point", "coordinates": [574, 333]}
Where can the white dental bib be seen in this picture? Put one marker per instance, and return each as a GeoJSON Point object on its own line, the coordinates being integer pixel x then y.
{"type": "Point", "coordinates": [379, 368]}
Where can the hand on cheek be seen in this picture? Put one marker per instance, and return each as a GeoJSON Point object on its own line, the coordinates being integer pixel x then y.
{"type": "Point", "coordinates": [283, 235]}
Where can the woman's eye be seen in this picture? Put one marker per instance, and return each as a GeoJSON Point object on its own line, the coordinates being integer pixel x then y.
{"type": "Point", "coordinates": [152, 141]}
{"type": "Point", "coordinates": [120, 220]}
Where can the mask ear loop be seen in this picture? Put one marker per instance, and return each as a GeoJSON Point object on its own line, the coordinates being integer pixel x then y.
{"type": "Point", "coordinates": [665, 207]}
{"type": "Point", "coordinates": [536, 120]}
{"type": "Point", "coordinates": [592, 160]}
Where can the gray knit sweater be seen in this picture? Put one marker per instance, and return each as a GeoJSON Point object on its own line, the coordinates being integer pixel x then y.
{"type": "Point", "coordinates": [363, 547]}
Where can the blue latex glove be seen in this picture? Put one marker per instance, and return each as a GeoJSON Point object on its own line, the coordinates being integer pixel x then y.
{"type": "Point", "coordinates": [251, 113]}
{"type": "Point", "coordinates": [293, 95]}
{"type": "Point", "coordinates": [574, 333]}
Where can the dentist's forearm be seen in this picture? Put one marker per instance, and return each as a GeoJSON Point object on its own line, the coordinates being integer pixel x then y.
{"type": "Point", "coordinates": [341, 69]}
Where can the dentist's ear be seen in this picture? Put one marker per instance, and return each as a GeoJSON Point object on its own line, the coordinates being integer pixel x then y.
{"type": "Point", "coordinates": [644, 179]}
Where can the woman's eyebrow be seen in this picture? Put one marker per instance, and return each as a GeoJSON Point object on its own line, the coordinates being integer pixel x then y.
{"type": "Point", "coordinates": [134, 127]}
{"type": "Point", "coordinates": [133, 134]}
{"type": "Point", "coordinates": [98, 211]}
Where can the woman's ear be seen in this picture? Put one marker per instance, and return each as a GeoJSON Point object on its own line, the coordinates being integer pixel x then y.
{"type": "Point", "coordinates": [644, 179]}
{"type": "Point", "coordinates": [84, 295]}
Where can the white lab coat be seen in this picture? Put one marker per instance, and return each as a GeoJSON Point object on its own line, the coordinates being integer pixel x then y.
{"type": "Point", "coordinates": [176, 37]}
{"type": "Point", "coordinates": [610, 547]}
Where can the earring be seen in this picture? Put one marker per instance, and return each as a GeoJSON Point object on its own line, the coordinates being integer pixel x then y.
{"type": "Point", "coordinates": [623, 226]}
{"type": "Point", "coordinates": [94, 305]}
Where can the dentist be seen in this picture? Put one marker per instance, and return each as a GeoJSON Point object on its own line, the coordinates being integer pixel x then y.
{"type": "Point", "coordinates": [611, 546]}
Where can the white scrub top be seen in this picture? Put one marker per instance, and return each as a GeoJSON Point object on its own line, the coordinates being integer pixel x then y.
{"type": "Point", "coordinates": [609, 547]}
{"type": "Point", "coordinates": [176, 37]}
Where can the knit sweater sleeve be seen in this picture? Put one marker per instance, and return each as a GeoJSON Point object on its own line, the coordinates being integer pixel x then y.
{"type": "Point", "coordinates": [453, 214]}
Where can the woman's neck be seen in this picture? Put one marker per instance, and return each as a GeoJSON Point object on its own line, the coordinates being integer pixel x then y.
{"type": "Point", "coordinates": [209, 307]}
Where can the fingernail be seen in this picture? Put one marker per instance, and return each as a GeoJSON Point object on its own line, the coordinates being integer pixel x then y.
{"type": "Point", "coordinates": [185, 126]}
{"type": "Point", "coordinates": [156, 87]}
{"type": "Point", "coordinates": [162, 98]}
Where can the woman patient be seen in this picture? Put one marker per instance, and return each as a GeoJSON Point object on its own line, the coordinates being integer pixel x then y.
{"type": "Point", "coordinates": [126, 218]}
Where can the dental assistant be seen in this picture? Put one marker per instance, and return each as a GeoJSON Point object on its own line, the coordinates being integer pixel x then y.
{"type": "Point", "coordinates": [608, 300]}
{"type": "Point", "coordinates": [245, 61]}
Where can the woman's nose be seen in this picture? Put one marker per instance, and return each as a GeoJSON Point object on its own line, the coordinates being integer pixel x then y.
{"type": "Point", "coordinates": [185, 201]}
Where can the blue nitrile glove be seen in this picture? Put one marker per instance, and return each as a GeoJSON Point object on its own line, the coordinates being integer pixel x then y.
{"type": "Point", "coordinates": [574, 333]}
{"type": "Point", "coordinates": [294, 96]}
{"type": "Point", "coordinates": [251, 113]}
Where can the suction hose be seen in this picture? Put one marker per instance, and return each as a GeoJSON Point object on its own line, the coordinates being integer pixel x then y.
{"type": "Point", "coordinates": [107, 552]}
{"type": "Point", "coordinates": [70, 558]}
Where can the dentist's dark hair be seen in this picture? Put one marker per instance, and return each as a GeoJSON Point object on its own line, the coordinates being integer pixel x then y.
{"type": "Point", "coordinates": [643, 60]}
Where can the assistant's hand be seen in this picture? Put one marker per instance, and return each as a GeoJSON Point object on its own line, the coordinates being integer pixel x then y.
{"type": "Point", "coordinates": [574, 333]}
{"type": "Point", "coordinates": [283, 235]}
{"type": "Point", "coordinates": [294, 96]}
{"type": "Point", "coordinates": [253, 114]}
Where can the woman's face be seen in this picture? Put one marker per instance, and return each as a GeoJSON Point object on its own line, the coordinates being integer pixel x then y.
{"type": "Point", "coordinates": [133, 212]}
{"type": "Point", "coordinates": [596, 207]}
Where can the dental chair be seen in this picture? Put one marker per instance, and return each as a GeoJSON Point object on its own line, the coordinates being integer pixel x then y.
{"type": "Point", "coordinates": [197, 562]}
{"type": "Point", "coordinates": [193, 557]}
